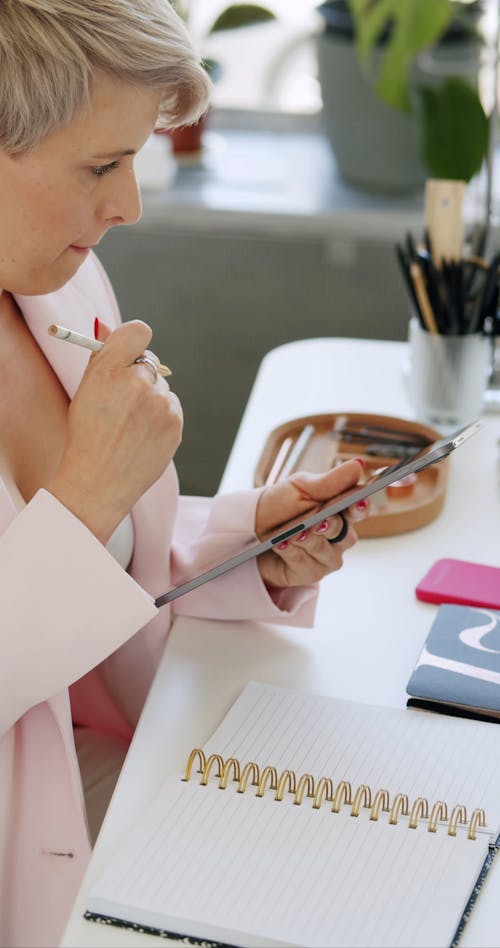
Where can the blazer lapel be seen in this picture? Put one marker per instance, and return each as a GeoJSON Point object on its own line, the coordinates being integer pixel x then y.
{"type": "Point", "coordinates": [67, 307]}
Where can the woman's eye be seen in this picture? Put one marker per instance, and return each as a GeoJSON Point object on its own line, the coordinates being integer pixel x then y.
{"type": "Point", "coordinates": [99, 170]}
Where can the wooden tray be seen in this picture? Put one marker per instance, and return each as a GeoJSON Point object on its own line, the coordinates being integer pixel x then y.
{"type": "Point", "coordinates": [390, 512]}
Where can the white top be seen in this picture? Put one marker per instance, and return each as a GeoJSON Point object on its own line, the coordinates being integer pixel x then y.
{"type": "Point", "coordinates": [121, 542]}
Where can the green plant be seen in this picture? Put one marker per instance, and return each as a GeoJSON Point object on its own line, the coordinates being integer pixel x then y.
{"type": "Point", "coordinates": [454, 128]}
{"type": "Point", "coordinates": [241, 14]}
{"type": "Point", "coordinates": [233, 17]}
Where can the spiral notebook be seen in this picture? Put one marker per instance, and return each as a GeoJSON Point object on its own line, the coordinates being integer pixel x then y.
{"type": "Point", "coordinates": [307, 820]}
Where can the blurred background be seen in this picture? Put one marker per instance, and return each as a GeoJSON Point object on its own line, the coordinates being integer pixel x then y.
{"type": "Point", "coordinates": [280, 221]}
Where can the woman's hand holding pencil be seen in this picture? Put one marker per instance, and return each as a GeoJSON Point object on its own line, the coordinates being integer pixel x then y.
{"type": "Point", "coordinates": [124, 427]}
{"type": "Point", "coordinates": [94, 345]}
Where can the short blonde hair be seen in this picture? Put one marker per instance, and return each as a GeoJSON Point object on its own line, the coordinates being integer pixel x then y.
{"type": "Point", "coordinates": [50, 49]}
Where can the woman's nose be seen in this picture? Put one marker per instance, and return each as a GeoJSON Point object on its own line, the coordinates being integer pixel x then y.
{"type": "Point", "coordinates": [122, 204]}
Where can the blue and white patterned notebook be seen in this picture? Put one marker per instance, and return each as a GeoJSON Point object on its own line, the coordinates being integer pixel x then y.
{"type": "Point", "coordinates": [458, 670]}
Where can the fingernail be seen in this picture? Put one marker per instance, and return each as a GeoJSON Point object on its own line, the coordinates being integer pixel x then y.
{"type": "Point", "coordinates": [321, 527]}
{"type": "Point", "coordinates": [303, 536]}
{"type": "Point", "coordinates": [283, 545]}
{"type": "Point", "coordinates": [361, 461]}
{"type": "Point", "coordinates": [362, 504]}
{"type": "Point", "coordinates": [96, 328]}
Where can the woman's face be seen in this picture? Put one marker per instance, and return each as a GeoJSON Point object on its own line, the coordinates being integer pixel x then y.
{"type": "Point", "coordinates": [58, 200]}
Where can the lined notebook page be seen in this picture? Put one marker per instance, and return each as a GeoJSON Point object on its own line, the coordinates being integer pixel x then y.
{"type": "Point", "coordinates": [404, 750]}
{"type": "Point", "coordinates": [251, 871]}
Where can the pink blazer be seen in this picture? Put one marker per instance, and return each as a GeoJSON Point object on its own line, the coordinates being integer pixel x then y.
{"type": "Point", "coordinates": [80, 637]}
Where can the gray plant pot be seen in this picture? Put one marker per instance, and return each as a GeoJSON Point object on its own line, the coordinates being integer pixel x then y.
{"type": "Point", "coordinates": [375, 146]}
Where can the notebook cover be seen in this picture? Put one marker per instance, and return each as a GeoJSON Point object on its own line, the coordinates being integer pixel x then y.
{"type": "Point", "coordinates": [459, 665]}
{"type": "Point", "coordinates": [159, 932]}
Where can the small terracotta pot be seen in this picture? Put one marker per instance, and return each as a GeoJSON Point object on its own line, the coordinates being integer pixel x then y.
{"type": "Point", "coordinates": [188, 138]}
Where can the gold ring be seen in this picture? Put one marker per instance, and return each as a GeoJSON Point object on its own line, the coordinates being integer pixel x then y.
{"type": "Point", "coordinates": [145, 360]}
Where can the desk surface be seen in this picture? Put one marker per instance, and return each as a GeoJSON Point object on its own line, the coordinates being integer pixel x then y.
{"type": "Point", "coordinates": [369, 626]}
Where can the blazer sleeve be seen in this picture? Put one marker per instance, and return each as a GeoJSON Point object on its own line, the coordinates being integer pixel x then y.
{"type": "Point", "coordinates": [65, 605]}
{"type": "Point", "coordinates": [209, 531]}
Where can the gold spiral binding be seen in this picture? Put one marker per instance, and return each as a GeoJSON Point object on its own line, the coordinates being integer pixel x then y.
{"type": "Point", "coordinates": [287, 782]}
{"type": "Point", "coordinates": [420, 809]}
{"type": "Point", "coordinates": [324, 788]}
{"type": "Point", "coordinates": [400, 805]}
{"type": "Point", "coordinates": [231, 766]}
{"type": "Point", "coordinates": [213, 759]}
{"type": "Point", "coordinates": [268, 775]}
{"type": "Point", "coordinates": [195, 754]}
{"type": "Point", "coordinates": [478, 818]}
{"type": "Point", "coordinates": [381, 801]}
{"type": "Point", "coordinates": [249, 770]}
{"type": "Point", "coordinates": [439, 812]}
{"type": "Point", "coordinates": [343, 794]}
{"type": "Point", "coordinates": [458, 815]}
{"type": "Point", "coordinates": [362, 797]}
{"type": "Point", "coordinates": [305, 784]}
{"type": "Point", "coordinates": [321, 790]}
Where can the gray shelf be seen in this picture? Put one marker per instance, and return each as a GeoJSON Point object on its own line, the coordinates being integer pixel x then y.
{"type": "Point", "coordinates": [265, 176]}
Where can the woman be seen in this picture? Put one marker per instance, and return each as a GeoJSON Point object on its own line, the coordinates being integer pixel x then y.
{"type": "Point", "coordinates": [92, 528]}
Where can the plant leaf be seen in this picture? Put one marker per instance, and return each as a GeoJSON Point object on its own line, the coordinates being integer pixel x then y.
{"type": "Point", "coordinates": [414, 26]}
{"type": "Point", "coordinates": [454, 130]}
{"type": "Point", "coordinates": [241, 14]}
{"type": "Point", "coordinates": [422, 22]}
{"type": "Point", "coordinates": [371, 21]}
{"type": "Point", "coordinates": [419, 24]}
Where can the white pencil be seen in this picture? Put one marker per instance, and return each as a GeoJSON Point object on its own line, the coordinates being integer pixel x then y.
{"type": "Point", "coordinates": [69, 335]}
{"type": "Point", "coordinates": [297, 451]}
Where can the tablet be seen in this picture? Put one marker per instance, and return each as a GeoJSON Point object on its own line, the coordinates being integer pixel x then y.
{"type": "Point", "coordinates": [430, 454]}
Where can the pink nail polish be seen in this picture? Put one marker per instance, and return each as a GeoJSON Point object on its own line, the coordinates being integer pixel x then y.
{"type": "Point", "coordinates": [96, 328]}
{"type": "Point", "coordinates": [321, 527]}
{"type": "Point", "coordinates": [303, 536]}
{"type": "Point", "coordinates": [283, 545]}
{"type": "Point", "coordinates": [361, 461]}
{"type": "Point", "coordinates": [362, 504]}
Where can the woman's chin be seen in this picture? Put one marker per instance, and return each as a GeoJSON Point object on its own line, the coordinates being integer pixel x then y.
{"type": "Point", "coordinates": [52, 278]}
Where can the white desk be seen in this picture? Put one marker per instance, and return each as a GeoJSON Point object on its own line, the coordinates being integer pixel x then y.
{"type": "Point", "coordinates": [369, 626]}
